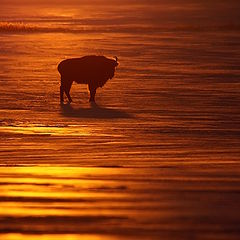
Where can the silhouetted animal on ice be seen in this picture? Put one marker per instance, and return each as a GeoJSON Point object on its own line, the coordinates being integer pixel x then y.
{"type": "Point", "coordinates": [92, 70]}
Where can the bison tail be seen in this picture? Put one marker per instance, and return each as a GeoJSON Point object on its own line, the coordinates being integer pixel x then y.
{"type": "Point", "coordinates": [59, 67]}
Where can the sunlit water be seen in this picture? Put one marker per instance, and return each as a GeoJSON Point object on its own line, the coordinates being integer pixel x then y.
{"type": "Point", "coordinates": [158, 155]}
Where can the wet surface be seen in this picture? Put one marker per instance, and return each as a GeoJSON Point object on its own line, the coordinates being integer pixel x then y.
{"type": "Point", "coordinates": [157, 156]}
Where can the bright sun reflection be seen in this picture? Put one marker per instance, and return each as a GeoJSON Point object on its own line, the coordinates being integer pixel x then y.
{"type": "Point", "coordinates": [55, 236]}
{"type": "Point", "coordinates": [44, 191]}
{"type": "Point", "coordinates": [48, 130]}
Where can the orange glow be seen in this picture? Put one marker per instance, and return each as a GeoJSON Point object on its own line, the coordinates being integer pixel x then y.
{"type": "Point", "coordinates": [14, 236]}
{"type": "Point", "coordinates": [43, 130]}
{"type": "Point", "coordinates": [153, 153]}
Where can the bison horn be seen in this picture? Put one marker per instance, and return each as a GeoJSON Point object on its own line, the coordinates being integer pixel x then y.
{"type": "Point", "coordinates": [116, 58]}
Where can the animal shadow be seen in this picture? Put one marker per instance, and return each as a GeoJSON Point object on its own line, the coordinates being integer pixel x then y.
{"type": "Point", "coordinates": [95, 111]}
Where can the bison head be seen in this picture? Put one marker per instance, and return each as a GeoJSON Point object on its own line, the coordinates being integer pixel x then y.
{"type": "Point", "coordinates": [116, 61]}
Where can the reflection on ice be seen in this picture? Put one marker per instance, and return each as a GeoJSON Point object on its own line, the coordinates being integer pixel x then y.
{"type": "Point", "coordinates": [117, 203]}
{"type": "Point", "coordinates": [47, 130]}
{"type": "Point", "coordinates": [15, 236]}
{"type": "Point", "coordinates": [169, 172]}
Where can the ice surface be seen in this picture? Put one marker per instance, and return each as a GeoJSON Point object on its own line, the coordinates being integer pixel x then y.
{"type": "Point", "coordinates": [156, 156]}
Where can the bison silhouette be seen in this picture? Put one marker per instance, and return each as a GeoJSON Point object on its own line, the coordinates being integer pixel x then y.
{"type": "Point", "coordinates": [92, 70]}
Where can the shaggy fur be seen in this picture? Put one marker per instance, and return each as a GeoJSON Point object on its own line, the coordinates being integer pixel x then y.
{"type": "Point", "coordinates": [92, 70]}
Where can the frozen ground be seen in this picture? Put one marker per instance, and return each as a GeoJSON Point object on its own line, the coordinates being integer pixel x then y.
{"type": "Point", "coordinates": [156, 157]}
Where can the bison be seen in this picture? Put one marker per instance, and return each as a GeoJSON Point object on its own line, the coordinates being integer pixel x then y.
{"type": "Point", "coordinates": [92, 70]}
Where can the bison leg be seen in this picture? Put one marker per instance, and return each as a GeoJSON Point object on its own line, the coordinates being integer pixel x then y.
{"type": "Point", "coordinates": [65, 87]}
{"type": "Point", "coordinates": [61, 94]}
{"type": "Point", "coordinates": [92, 90]}
{"type": "Point", "coordinates": [67, 92]}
